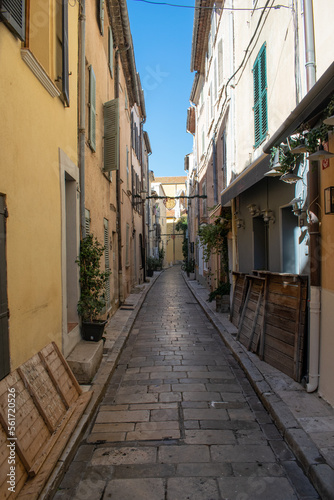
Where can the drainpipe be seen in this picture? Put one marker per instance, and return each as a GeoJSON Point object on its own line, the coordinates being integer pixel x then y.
{"type": "Point", "coordinates": [309, 44]}
{"type": "Point", "coordinates": [82, 114]}
{"type": "Point", "coordinates": [214, 166]}
{"type": "Point", "coordinates": [118, 200]}
{"type": "Point", "coordinates": [314, 234]}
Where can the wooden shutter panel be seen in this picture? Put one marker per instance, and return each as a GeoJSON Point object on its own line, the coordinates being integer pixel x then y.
{"type": "Point", "coordinates": [87, 221]}
{"type": "Point", "coordinates": [220, 62]}
{"type": "Point", "coordinates": [111, 50]}
{"type": "Point", "coordinates": [102, 17]}
{"type": "Point", "coordinates": [111, 135]}
{"type": "Point", "coordinates": [92, 108]}
{"type": "Point", "coordinates": [260, 97]}
{"type": "Point", "coordinates": [66, 70]}
{"type": "Point", "coordinates": [13, 14]}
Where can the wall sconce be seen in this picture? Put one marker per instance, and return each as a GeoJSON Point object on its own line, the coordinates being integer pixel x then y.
{"type": "Point", "coordinates": [296, 205]}
{"type": "Point", "coordinates": [143, 195]}
{"type": "Point", "coordinates": [329, 200]}
{"type": "Point", "coordinates": [240, 223]}
{"type": "Point", "coordinates": [268, 215]}
{"type": "Point", "coordinates": [253, 210]}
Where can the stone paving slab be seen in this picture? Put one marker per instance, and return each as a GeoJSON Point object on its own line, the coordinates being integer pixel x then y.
{"type": "Point", "coordinates": [176, 427]}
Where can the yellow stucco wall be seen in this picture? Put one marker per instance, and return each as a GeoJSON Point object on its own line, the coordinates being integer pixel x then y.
{"type": "Point", "coordinates": [34, 126]}
{"type": "Point", "coordinates": [326, 388]}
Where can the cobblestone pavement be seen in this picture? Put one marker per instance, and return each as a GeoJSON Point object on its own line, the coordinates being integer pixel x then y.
{"type": "Point", "coordinates": [180, 419]}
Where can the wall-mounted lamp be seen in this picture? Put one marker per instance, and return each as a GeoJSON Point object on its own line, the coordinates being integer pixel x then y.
{"type": "Point", "coordinates": [321, 154]}
{"type": "Point", "coordinates": [290, 178]}
{"type": "Point", "coordinates": [240, 223]}
{"type": "Point", "coordinates": [296, 205]}
{"type": "Point", "coordinates": [143, 195]}
{"type": "Point", "coordinates": [253, 210]}
{"type": "Point", "coordinates": [268, 215]}
{"type": "Point", "coordinates": [329, 200]}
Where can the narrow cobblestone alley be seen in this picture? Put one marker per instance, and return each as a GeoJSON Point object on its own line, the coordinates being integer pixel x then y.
{"type": "Point", "coordinates": [180, 419]}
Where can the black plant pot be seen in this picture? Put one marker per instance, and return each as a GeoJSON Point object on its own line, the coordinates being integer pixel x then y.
{"type": "Point", "coordinates": [150, 272]}
{"type": "Point", "coordinates": [92, 331]}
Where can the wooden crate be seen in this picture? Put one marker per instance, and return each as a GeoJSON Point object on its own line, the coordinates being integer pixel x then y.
{"type": "Point", "coordinates": [239, 294]}
{"type": "Point", "coordinates": [48, 405]}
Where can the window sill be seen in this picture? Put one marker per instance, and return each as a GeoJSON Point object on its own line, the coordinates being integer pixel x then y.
{"type": "Point", "coordinates": [39, 72]}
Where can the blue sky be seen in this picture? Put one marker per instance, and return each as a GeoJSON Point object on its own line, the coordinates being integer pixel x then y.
{"type": "Point", "coordinates": [162, 38]}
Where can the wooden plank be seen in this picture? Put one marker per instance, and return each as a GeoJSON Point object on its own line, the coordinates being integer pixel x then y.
{"type": "Point", "coordinates": [282, 300]}
{"type": "Point", "coordinates": [73, 389]}
{"type": "Point", "coordinates": [281, 312]}
{"type": "Point", "coordinates": [18, 448]}
{"type": "Point", "coordinates": [258, 306]}
{"type": "Point", "coordinates": [36, 401]}
{"type": "Point", "coordinates": [53, 378]}
{"type": "Point", "coordinates": [278, 333]}
{"type": "Point", "coordinates": [280, 346]}
{"type": "Point", "coordinates": [34, 486]}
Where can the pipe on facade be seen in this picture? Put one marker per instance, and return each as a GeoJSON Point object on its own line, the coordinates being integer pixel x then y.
{"type": "Point", "coordinates": [82, 113]}
{"type": "Point", "coordinates": [118, 199]}
{"type": "Point", "coordinates": [214, 167]}
{"type": "Point", "coordinates": [314, 234]}
{"type": "Point", "coordinates": [309, 44]}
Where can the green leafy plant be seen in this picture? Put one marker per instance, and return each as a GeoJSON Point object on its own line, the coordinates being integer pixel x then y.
{"type": "Point", "coordinates": [222, 289]}
{"type": "Point", "coordinates": [152, 263]}
{"type": "Point", "coordinates": [92, 279]}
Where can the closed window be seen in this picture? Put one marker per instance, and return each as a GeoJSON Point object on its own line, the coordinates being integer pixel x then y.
{"type": "Point", "coordinates": [111, 51]}
{"type": "Point", "coordinates": [62, 66]}
{"type": "Point", "coordinates": [12, 12]}
{"type": "Point", "coordinates": [111, 135]}
{"type": "Point", "coordinates": [92, 109]}
{"type": "Point", "coordinates": [260, 97]}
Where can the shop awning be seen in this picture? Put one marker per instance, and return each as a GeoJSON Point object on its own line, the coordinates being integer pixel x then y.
{"type": "Point", "coordinates": [250, 176]}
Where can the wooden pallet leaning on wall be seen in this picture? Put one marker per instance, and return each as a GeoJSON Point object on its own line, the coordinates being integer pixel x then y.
{"type": "Point", "coordinates": [48, 405]}
{"type": "Point", "coordinates": [251, 319]}
{"type": "Point", "coordinates": [283, 338]}
{"type": "Point", "coordinates": [239, 295]}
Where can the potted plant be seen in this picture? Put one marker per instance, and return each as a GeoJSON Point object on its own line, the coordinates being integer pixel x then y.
{"type": "Point", "coordinates": [93, 288]}
{"type": "Point", "coordinates": [222, 296]}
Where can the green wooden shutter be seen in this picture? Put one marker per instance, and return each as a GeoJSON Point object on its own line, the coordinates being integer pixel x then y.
{"type": "Point", "coordinates": [92, 109]}
{"type": "Point", "coordinates": [87, 221]}
{"type": "Point", "coordinates": [111, 51]}
{"type": "Point", "coordinates": [220, 62]}
{"type": "Point", "coordinates": [101, 17]}
{"type": "Point", "coordinates": [111, 135]}
{"type": "Point", "coordinates": [260, 97]}
{"type": "Point", "coordinates": [12, 12]}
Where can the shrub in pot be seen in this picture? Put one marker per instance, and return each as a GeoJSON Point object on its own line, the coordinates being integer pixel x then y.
{"type": "Point", "coordinates": [93, 288]}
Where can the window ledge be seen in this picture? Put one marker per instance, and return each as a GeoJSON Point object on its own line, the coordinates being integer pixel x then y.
{"type": "Point", "coordinates": [39, 72]}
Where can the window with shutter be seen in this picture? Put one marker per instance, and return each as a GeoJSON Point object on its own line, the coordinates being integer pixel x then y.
{"type": "Point", "coordinates": [220, 62]}
{"type": "Point", "coordinates": [4, 327]}
{"type": "Point", "coordinates": [215, 85]}
{"type": "Point", "coordinates": [111, 135]}
{"type": "Point", "coordinates": [127, 246]}
{"type": "Point", "coordinates": [260, 97]}
{"type": "Point", "coordinates": [101, 16]}
{"type": "Point", "coordinates": [12, 12]}
{"type": "Point", "coordinates": [127, 169]}
{"type": "Point", "coordinates": [87, 221]}
{"type": "Point", "coordinates": [92, 108]}
{"type": "Point", "coordinates": [62, 64]}
{"type": "Point", "coordinates": [111, 51]}
{"type": "Point", "coordinates": [106, 258]}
